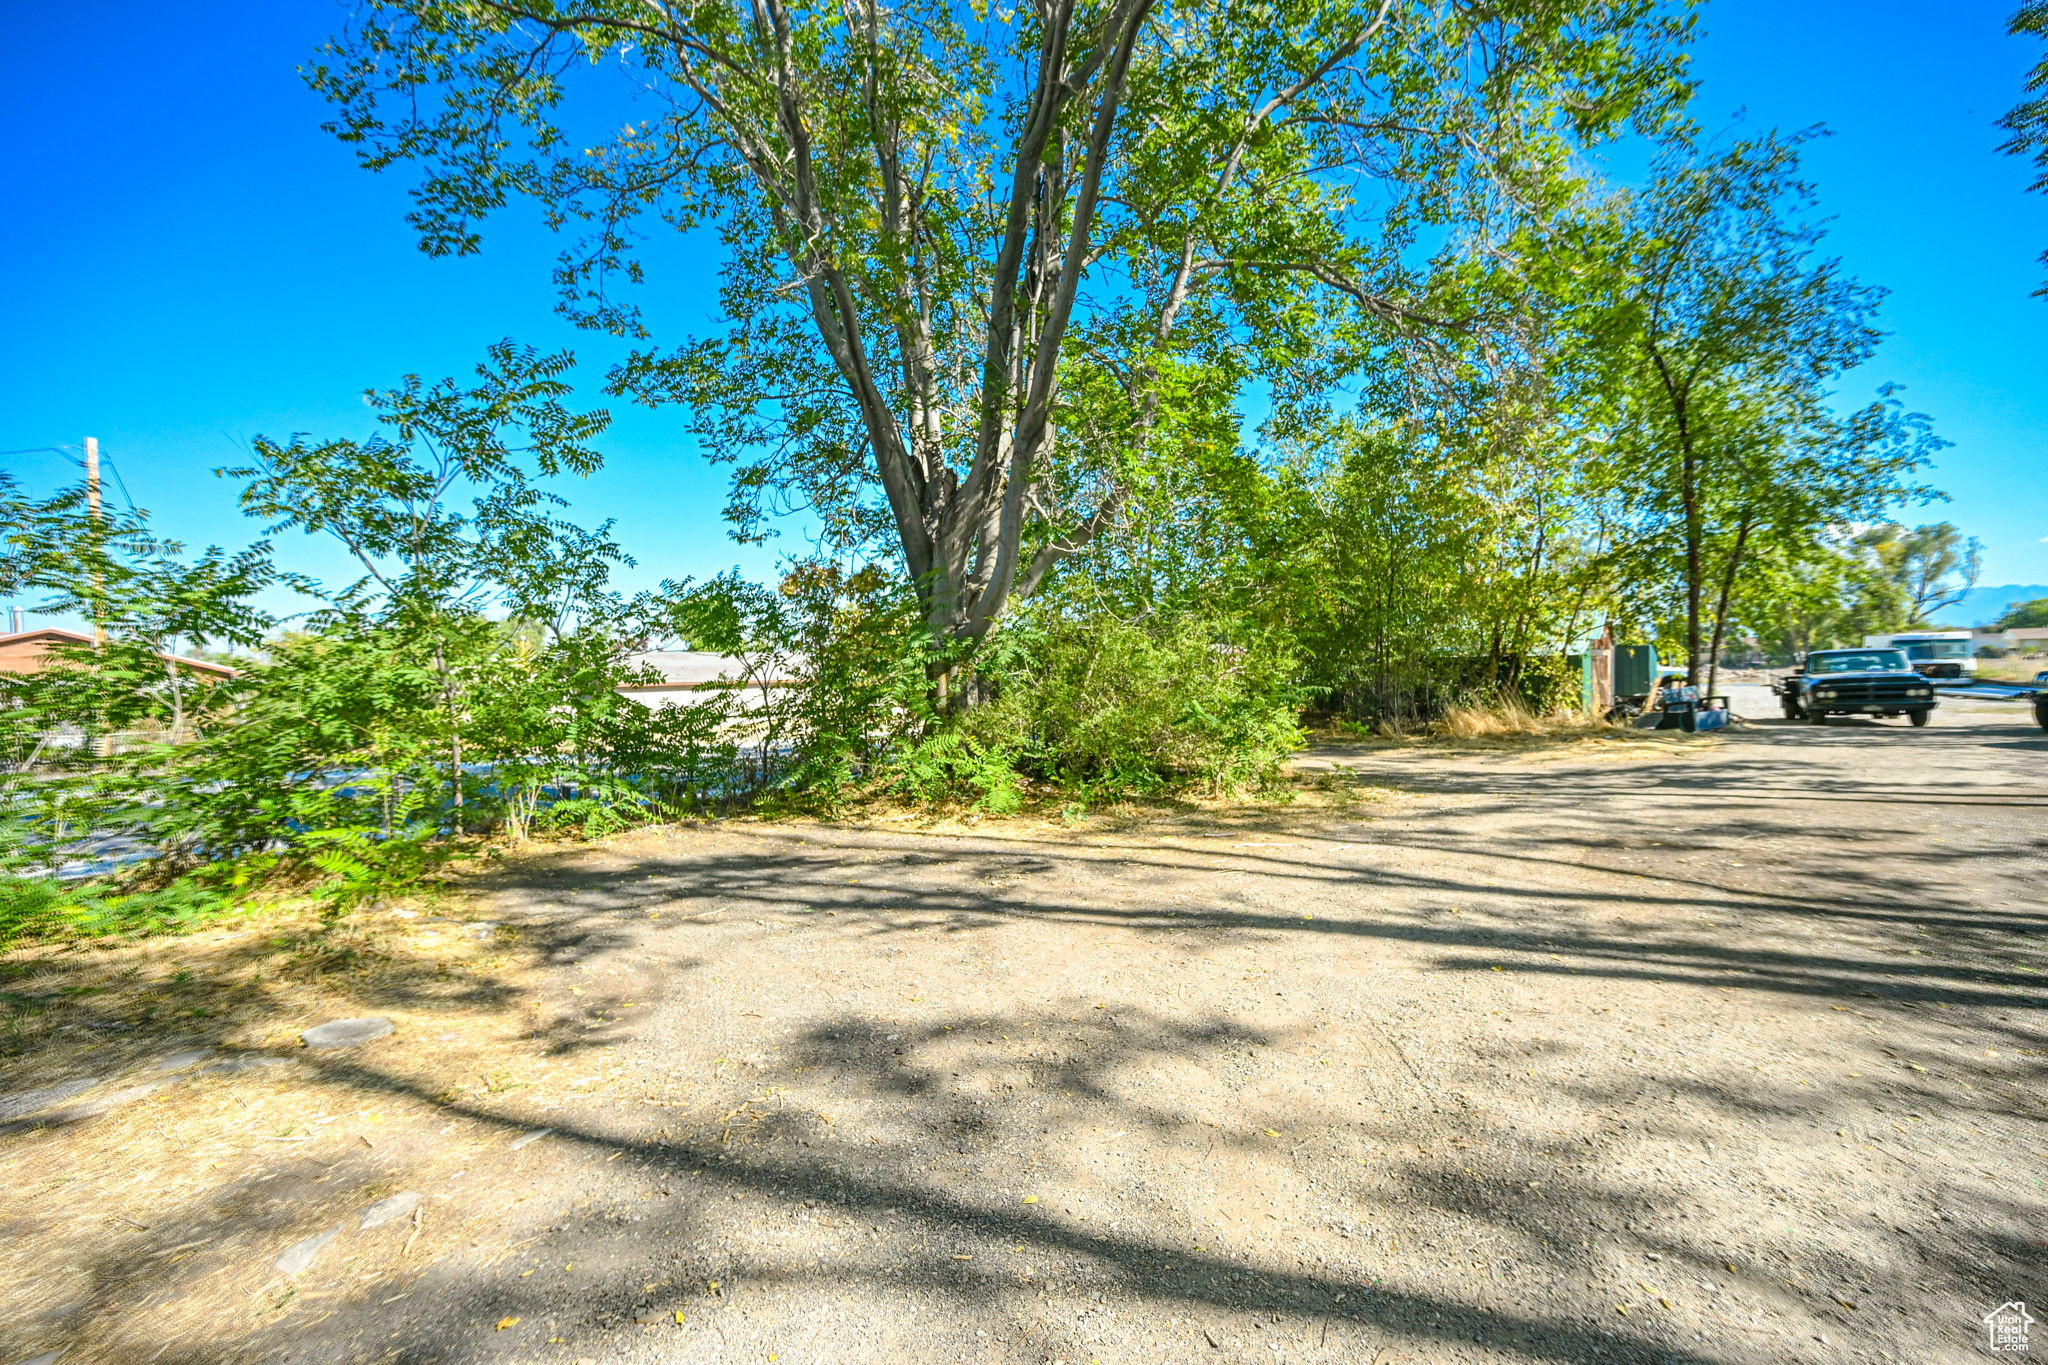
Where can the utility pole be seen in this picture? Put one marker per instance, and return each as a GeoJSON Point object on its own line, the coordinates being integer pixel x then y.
{"type": "Point", "coordinates": [92, 514]}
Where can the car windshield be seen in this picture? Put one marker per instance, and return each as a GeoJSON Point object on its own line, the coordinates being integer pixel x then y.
{"type": "Point", "coordinates": [1857, 661]}
{"type": "Point", "coordinates": [1939, 649]}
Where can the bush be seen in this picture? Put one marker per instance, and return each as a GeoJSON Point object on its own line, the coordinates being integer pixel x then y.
{"type": "Point", "coordinates": [33, 908]}
{"type": "Point", "coordinates": [1101, 708]}
{"type": "Point", "coordinates": [953, 763]}
{"type": "Point", "coordinates": [1430, 688]}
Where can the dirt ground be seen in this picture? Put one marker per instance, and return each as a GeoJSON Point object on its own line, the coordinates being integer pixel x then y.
{"type": "Point", "coordinates": [1701, 1049]}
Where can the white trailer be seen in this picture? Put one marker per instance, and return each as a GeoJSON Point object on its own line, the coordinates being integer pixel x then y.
{"type": "Point", "coordinates": [1933, 653]}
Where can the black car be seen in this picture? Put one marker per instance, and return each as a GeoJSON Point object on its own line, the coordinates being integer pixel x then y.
{"type": "Point", "coordinates": [1855, 682]}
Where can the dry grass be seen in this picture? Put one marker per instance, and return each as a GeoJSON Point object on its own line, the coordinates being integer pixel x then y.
{"type": "Point", "coordinates": [2020, 669]}
{"type": "Point", "coordinates": [248, 983]}
{"type": "Point", "coordinates": [159, 1222]}
{"type": "Point", "coordinates": [1511, 718]}
{"type": "Point", "coordinates": [1510, 725]}
{"type": "Point", "coordinates": [1511, 728]}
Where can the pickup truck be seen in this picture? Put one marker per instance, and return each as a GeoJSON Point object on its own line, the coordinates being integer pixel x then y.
{"type": "Point", "coordinates": [1855, 682]}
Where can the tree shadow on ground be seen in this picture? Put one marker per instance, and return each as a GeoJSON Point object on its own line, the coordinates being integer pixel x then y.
{"type": "Point", "coordinates": [747, 1195]}
{"type": "Point", "coordinates": [951, 884]}
{"type": "Point", "coordinates": [1038, 1277]}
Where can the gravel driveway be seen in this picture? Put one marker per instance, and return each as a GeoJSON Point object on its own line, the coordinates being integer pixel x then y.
{"type": "Point", "coordinates": [1717, 1049]}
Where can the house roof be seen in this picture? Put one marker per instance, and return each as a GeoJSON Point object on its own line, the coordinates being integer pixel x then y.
{"type": "Point", "coordinates": [698, 668]}
{"type": "Point", "coordinates": [45, 636]}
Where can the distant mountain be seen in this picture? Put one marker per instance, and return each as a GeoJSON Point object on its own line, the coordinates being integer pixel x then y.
{"type": "Point", "coordinates": [1982, 606]}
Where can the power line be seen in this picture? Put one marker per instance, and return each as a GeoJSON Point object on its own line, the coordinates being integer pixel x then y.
{"type": "Point", "coordinates": [119, 482]}
{"type": "Point", "coordinates": [72, 451]}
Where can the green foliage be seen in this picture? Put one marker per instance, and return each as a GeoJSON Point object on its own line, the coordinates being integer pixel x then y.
{"type": "Point", "coordinates": [998, 288]}
{"type": "Point", "coordinates": [1430, 573]}
{"type": "Point", "coordinates": [958, 762]}
{"type": "Point", "coordinates": [1099, 709]}
{"type": "Point", "coordinates": [1102, 707]}
{"type": "Point", "coordinates": [2028, 120]}
{"type": "Point", "coordinates": [1797, 596]}
{"type": "Point", "coordinates": [1933, 567]}
{"type": "Point", "coordinates": [2024, 616]}
{"type": "Point", "coordinates": [1063, 701]}
{"type": "Point", "coordinates": [833, 672]}
{"type": "Point", "coordinates": [34, 907]}
{"type": "Point", "coordinates": [1722, 328]}
{"type": "Point", "coordinates": [38, 907]}
{"type": "Point", "coordinates": [466, 683]}
{"type": "Point", "coordinates": [988, 272]}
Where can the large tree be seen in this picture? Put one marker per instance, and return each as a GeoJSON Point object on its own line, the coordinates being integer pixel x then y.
{"type": "Point", "coordinates": [1935, 566]}
{"type": "Point", "coordinates": [1730, 326]}
{"type": "Point", "coordinates": [988, 270]}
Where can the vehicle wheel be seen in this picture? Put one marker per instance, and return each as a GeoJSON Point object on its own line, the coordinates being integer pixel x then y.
{"type": "Point", "coordinates": [1921, 716]}
{"type": "Point", "coordinates": [2041, 712]}
{"type": "Point", "coordinates": [1814, 716]}
{"type": "Point", "coordinates": [1790, 708]}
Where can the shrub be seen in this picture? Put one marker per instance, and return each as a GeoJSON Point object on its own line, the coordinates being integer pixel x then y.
{"type": "Point", "coordinates": [1101, 707]}
{"type": "Point", "coordinates": [33, 907]}
{"type": "Point", "coordinates": [953, 763]}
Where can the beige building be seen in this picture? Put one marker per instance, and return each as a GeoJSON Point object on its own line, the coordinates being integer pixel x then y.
{"type": "Point", "coordinates": [686, 676]}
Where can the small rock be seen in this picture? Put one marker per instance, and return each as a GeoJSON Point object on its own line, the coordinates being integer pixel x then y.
{"type": "Point", "coordinates": [178, 1061]}
{"type": "Point", "coordinates": [228, 1066]}
{"type": "Point", "coordinates": [484, 928]}
{"type": "Point", "coordinates": [388, 1210]}
{"type": "Point", "coordinates": [299, 1255]}
{"type": "Point", "coordinates": [345, 1033]}
{"type": "Point", "coordinates": [28, 1101]}
{"type": "Point", "coordinates": [525, 1138]}
{"type": "Point", "coordinates": [405, 914]}
{"type": "Point", "coordinates": [92, 1109]}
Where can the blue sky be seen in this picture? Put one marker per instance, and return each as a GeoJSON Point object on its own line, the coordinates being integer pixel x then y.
{"type": "Point", "coordinates": [191, 262]}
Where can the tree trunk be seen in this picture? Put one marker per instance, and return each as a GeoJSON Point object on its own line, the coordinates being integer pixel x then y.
{"type": "Point", "coordinates": [1721, 602]}
{"type": "Point", "coordinates": [454, 732]}
{"type": "Point", "coordinates": [1694, 569]}
{"type": "Point", "coordinates": [1679, 397]}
